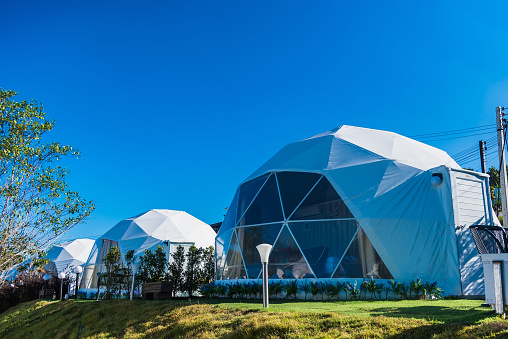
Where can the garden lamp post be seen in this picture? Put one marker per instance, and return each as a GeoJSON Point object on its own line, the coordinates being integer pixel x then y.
{"type": "Point", "coordinates": [46, 278]}
{"type": "Point", "coordinates": [77, 270]}
{"type": "Point", "coordinates": [135, 268]}
{"type": "Point", "coordinates": [61, 276]}
{"type": "Point", "coordinates": [264, 253]}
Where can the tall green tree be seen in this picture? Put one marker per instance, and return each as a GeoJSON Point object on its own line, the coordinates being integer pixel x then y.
{"type": "Point", "coordinates": [153, 266]}
{"type": "Point", "coordinates": [193, 270]}
{"type": "Point", "coordinates": [36, 206]}
{"type": "Point", "coordinates": [176, 269]}
{"type": "Point", "coordinates": [208, 259]}
{"type": "Point", "coordinates": [113, 266]}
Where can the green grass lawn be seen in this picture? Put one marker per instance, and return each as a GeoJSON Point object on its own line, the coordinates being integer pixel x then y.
{"type": "Point", "coordinates": [209, 318]}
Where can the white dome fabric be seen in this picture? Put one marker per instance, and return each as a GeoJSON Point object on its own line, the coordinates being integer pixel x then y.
{"type": "Point", "coordinates": [349, 146]}
{"type": "Point", "coordinates": [69, 254]}
{"type": "Point", "coordinates": [151, 228]}
{"type": "Point", "coordinates": [384, 179]}
{"type": "Point", "coordinates": [146, 231]}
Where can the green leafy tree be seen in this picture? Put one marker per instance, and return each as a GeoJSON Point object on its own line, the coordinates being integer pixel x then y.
{"type": "Point", "coordinates": [193, 270]}
{"type": "Point", "coordinates": [208, 258]}
{"type": "Point", "coordinates": [113, 266]}
{"type": "Point", "coordinates": [152, 266]}
{"type": "Point", "coordinates": [36, 204]}
{"type": "Point", "coordinates": [176, 269]}
{"type": "Point", "coordinates": [127, 270]}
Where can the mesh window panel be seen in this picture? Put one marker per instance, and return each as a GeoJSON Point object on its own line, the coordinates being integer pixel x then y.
{"type": "Point", "coordinates": [234, 268]}
{"type": "Point", "coordinates": [485, 240]}
{"type": "Point", "coordinates": [266, 207]}
{"type": "Point", "coordinates": [222, 242]}
{"type": "Point", "coordinates": [293, 187]}
{"type": "Point", "coordinates": [322, 203]}
{"type": "Point", "coordinates": [248, 191]}
{"type": "Point", "coordinates": [324, 243]}
{"type": "Point", "coordinates": [286, 261]}
{"type": "Point", "coordinates": [249, 238]}
{"type": "Point", "coordinates": [362, 261]}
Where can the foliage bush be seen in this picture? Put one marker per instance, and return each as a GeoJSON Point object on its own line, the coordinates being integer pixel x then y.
{"type": "Point", "coordinates": [26, 287]}
{"type": "Point", "coordinates": [339, 290]}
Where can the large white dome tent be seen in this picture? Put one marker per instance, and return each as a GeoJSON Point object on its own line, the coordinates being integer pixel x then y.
{"type": "Point", "coordinates": [148, 230]}
{"type": "Point", "coordinates": [352, 203]}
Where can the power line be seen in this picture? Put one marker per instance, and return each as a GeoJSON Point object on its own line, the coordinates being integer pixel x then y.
{"type": "Point", "coordinates": [473, 158]}
{"type": "Point", "coordinates": [464, 136]}
{"type": "Point", "coordinates": [457, 131]}
{"type": "Point", "coordinates": [473, 148]}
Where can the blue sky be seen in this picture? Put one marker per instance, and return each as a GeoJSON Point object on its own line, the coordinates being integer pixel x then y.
{"type": "Point", "coordinates": [173, 104]}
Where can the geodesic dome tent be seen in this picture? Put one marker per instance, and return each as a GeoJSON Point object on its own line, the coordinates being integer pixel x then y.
{"type": "Point", "coordinates": [64, 257]}
{"type": "Point", "coordinates": [148, 230]}
{"type": "Point", "coordinates": [355, 203]}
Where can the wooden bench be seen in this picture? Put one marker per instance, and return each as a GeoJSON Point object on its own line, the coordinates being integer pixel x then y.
{"type": "Point", "coordinates": [162, 290]}
{"type": "Point", "coordinates": [49, 293]}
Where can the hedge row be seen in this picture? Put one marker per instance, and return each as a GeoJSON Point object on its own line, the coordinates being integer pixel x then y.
{"type": "Point", "coordinates": [341, 290]}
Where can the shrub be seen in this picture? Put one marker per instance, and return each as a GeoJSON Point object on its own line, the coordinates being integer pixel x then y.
{"type": "Point", "coordinates": [332, 290]}
{"type": "Point", "coordinates": [25, 287]}
{"type": "Point", "coordinates": [353, 290]}
{"type": "Point", "coordinates": [291, 288]}
{"type": "Point", "coordinates": [432, 290]}
{"type": "Point", "coordinates": [306, 288]}
{"type": "Point", "coordinates": [208, 290]}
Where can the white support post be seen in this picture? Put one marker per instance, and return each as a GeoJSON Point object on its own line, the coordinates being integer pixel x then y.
{"type": "Point", "coordinates": [498, 287]}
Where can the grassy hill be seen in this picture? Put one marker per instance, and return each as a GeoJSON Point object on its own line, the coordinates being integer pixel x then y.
{"type": "Point", "coordinates": [233, 319]}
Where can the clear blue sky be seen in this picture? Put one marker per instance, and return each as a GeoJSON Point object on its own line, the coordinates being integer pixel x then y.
{"type": "Point", "coordinates": [173, 104]}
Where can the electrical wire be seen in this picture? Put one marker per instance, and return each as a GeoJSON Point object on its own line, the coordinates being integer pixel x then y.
{"type": "Point", "coordinates": [457, 131]}
{"type": "Point", "coordinates": [473, 148]}
{"type": "Point", "coordinates": [457, 137]}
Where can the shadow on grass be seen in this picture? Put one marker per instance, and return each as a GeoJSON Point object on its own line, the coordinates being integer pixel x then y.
{"type": "Point", "coordinates": [447, 315]}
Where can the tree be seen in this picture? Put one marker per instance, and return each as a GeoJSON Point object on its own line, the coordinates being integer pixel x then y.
{"type": "Point", "coordinates": [193, 270]}
{"type": "Point", "coordinates": [494, 183]}
{"type": "Point", "coordinates": [152, 266]}
{"type": "Point", "coordinates": [128, 260]}
{"type": "Point", "coordinates": [113, 267]}
{"type": "Point", "coordinates": [36, 205]}
{"type": "Point", "coordinates": [208, 258]}
{"type": "Point", "coordinates": [176, 269]}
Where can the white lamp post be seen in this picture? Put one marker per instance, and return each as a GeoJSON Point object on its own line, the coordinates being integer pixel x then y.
{"type": "Point", "coordinates": [264, 253]}
{"type": "Point", "coordinates": [77, 270]}
{"type": "Point", "coordinates": [135, 268]}
{"type": "Point", "coordinates": [46, 278]}
{"type": "Point", "coordinates": [61, 276]}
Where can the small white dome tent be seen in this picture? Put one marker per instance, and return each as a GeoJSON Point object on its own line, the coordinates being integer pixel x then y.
{"type": "Point", "coordinates": [65, 256]}
{"type": "Point", "coordinates": [352, 203]}
{"type": "Point", "coordinates": [148, 230]}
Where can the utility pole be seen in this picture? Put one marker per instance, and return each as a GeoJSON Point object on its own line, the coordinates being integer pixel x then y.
{"type": "Point", "coordinates": [502, 162]}
{"type": "Point", "coordinates": [482, 155]}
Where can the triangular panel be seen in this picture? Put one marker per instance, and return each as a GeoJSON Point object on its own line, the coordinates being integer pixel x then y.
{"type": "Point", "coordinates": [230, 218]}
{"type": "Point", "coordinates": [362, 261]}
{"type": "Point", "coordinates": [248, 191]}
{"type": "Point", "coordinates": [266, 206]}
{"type": "Point", "coordinates": [286, 259]}
{"type": "Point", "coordinates": [322, 203]}
{"type": "Point", "coordinates": [293, 187]}
{"type": "Point", "coordinates": [249, 238]}
{"type": "Point", "coordinates": [222, 242]}
{"type": "Point", "coordinates": [234, 268]}
{"type": "Point", "coordinates": [324, 243]}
